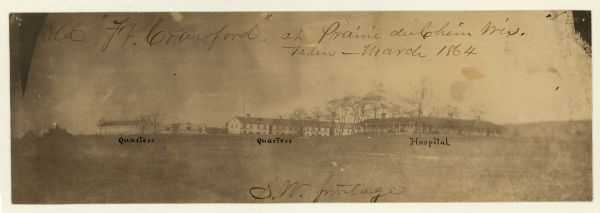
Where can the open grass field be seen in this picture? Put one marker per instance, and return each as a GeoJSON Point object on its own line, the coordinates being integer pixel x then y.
{"type": "Point", "coordinates": [223, 168]}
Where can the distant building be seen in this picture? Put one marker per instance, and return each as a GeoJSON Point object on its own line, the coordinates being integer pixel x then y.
{"type": "Point", "coordinates": [183, 128]}
{"type": "Point", "coordinates": [148, 125]}
{"type": "Point", "coordinates": [430, 125]}
{"type": "Point", "coordinates": [281, 126]}
{"type": "Point", "coordinates": [56, 132]}
{"type": "Point", "coordinates": [125, 127]}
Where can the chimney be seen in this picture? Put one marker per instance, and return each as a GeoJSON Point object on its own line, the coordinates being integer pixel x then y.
{"type": "Point", "coordinates": [383, 115]}
{"type": "Point", "coordinates": [248, 115]}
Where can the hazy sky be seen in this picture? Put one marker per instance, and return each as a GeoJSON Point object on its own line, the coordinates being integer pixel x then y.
{"type": "Point", "coordinates": [75, 83]}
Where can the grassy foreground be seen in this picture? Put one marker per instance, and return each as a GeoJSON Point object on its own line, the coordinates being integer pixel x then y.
{"type": "Point", "coordinates": [223, 168]}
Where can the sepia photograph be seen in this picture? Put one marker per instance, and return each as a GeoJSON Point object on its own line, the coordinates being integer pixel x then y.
{"type": "Point", "coordinates": [301, 107]}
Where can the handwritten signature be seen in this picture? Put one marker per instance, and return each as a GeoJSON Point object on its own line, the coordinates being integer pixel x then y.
{"type": "Point", "coordinates": [288, 189]}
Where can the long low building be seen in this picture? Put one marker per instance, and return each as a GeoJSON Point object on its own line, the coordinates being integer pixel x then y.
{"type": "Point", "coordinates": [148, 126]}
{"type": "Point", "coordinates": [433, 125]}
{"type": "Point", "coordinates": [125, 127]}
{"type": "Point", "coordinates": [282, 126]}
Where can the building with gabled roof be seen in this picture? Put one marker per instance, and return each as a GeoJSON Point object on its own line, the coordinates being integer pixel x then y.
{"type": "Point", "coordinates": [284, 126]}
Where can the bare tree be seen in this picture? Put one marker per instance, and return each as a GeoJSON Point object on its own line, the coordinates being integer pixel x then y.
{"type": "Point", "coordinates": [331, 112]}
{"type": "Point", "coordinates": [344, 107]}
{"type": "Point", "coordinates": [339, 110]}
{"type": "Point", "coordinates": [317, 115]}
{"type": "Point", "coordinates": [477, 111]}
{"type": "Point", "coordinates": [395, 109]}
{"type": "Point", "coordinates": [375, 102]}
{"type": "Point", "coordinates": [358, 106]}
{"type": "Point", "coordinates": [451, 111]}
{"type": "Point", "coordinates": [419, 99]}
{"type": "Point", "coordinates": [354, 106]}
{"type": "Point", "coordinates": [299, 114]}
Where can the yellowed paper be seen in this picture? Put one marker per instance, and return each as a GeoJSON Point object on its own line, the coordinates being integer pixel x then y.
{"type": "Point", "coordinates": [301, 107]}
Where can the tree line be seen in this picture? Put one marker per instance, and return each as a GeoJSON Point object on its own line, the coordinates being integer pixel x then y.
{"type": "Point", "coordinates": [373, 105]}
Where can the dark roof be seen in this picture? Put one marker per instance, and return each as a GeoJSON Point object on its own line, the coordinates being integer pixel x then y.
{"type": "Point", "coordinates": [435, 121]}
{"type": "Point", "coordinates": [287, 122]}
{"type": "Point", "coordinates": [256, 120]}
{"type": "Point", "coordinates": [121, 123]}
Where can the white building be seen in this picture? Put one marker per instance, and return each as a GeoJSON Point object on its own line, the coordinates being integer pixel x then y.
{"type": "Point", "coordinates": [124, 127]}
{"type": "Point", "coordinates": [146, 125]}
{"type": "Point", "coordinates": [281, 126]}
{"type": "Point", "coordinates": [182, 128]}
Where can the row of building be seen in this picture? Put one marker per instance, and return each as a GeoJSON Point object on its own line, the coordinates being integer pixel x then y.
{"type": "Point", "coordinates": [433, 125]}
{"type": "Point", "coordinates": [282, 126]}
{"type": "Point", "coordinates": [248, 125]}
{"type": "Point", "coordinates": [149, 126]}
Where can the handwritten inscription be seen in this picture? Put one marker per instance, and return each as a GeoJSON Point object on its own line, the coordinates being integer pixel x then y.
{"type": "Point", "coordinates": [333, 33]}
{"type": "Point", "coordinates": [333, 39]}
{"type": "Point", "coordinates": [287, 189]}
{"type": "Point", "coordinates": [428, 31]}
{"type": "Point", "coordinates": [158, 35]}
{"type": "Point", "coordinates": [65, 32]}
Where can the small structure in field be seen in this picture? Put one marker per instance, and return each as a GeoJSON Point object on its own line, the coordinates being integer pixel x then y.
{"type": "Point", "coordinates": [56, 131]}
